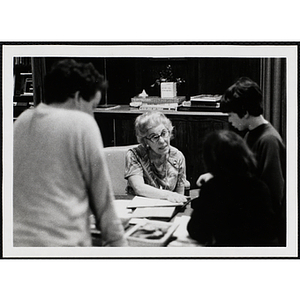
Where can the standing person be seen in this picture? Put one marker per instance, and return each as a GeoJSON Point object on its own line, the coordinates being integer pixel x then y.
{"type": "Point", "coordinates": [234, 206]}
{"type": "Point", "coordinates": [154, 168]}
{"type": "Point", "coordinates": [243, 102]}
{"type": "Point", "coordinates": [60, 174]}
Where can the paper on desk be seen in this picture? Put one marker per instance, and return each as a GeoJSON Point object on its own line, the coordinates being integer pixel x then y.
{"type": "Point", "coordinates": [182, 228]}
{"type": "Point", "coordinates": [182, 236]}
{"type": "Point", "coordinates": [154, 212]}
{"type": "Point", "coordinates": [138, 201]}
{"type": "Point", "coordinates": [123, 213]}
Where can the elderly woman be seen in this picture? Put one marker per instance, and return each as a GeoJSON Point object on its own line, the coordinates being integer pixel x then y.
{"type": "Point", "coordinates": [154, 168]}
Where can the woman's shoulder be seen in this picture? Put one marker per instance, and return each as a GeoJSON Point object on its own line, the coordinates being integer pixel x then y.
{"type": "Point", "coordinates": [176, 157]}
{"type": "Point", "coordinates": [138, 150]}
{"type": "Point", "coordinates": [174, 152]}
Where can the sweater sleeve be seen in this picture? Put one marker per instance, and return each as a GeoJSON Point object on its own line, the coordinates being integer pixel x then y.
{"type": "Point", "coordinates": [271, 171]}
{"type": "Point", "coordinates": [100, 190]}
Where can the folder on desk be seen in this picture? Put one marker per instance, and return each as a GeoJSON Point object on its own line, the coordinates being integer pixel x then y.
{"type": "Point", "coordinates": [138, 201]}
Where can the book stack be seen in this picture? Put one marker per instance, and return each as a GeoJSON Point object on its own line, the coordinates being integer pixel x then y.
{"type": "Point", "coordinates": [206, 102]}
{"type": "Point", "coordinates": [156, 103]}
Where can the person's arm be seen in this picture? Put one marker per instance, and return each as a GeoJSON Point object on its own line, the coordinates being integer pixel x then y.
{"type": "Point", "coordinates": [271, 172]}
{"type": "Point", "coordinates": [135, 176]}
{"type": "Point", "coordinates": [180, 189]}
{"type": "Point", "coordinates": [100, 190]}
{"type": "Point", "coordinates": [146, 190]}
{"type": "Point", "coordinates": [204, 178]}
{"type": "Point", "coordinates": [182, 182]}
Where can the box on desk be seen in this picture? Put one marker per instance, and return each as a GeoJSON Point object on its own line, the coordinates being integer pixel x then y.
{"type": "Point", "coordinates": [168, 89]}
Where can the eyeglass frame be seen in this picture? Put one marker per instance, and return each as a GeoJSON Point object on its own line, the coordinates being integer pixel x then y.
{"type": "Point", "coordinates": [157, 136]}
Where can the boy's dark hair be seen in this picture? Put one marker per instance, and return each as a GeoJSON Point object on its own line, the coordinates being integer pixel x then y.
{"type": "Point", "coordinates": [227, 155]}
{"type": "Point", "coordinates": [242, 97]}
{"type": "Point", "coordinates": [68, 77]}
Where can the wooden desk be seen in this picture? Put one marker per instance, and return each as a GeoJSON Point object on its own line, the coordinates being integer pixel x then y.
{"type": "Point", "coordinates": [180, 237]}
{"type": "Point", "coordinates": [190, 127]}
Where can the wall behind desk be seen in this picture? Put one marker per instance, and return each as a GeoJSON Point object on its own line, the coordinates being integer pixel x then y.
{"type": "Point", "coordinates": [128, 77]}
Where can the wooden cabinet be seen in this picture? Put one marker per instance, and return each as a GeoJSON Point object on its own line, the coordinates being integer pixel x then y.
{"type": "Point", "coordinates": [117, 129]}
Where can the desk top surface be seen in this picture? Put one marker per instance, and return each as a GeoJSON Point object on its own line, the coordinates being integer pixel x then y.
{"type": "Point", "coordinates": [181, 236]}
{"type": "Point", "coordinates": [126, 109]}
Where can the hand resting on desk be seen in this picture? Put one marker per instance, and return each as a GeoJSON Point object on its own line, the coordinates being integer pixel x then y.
{"type": "Point", "coordinates": [175, 197]}
{"type": "Point", "coordinates": [145, 190]}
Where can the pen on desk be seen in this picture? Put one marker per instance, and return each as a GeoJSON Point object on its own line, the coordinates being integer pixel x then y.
{"type": "Point", "coordinates": [176, 211]}
{"type": "Point", "coordinates": [189, 200]}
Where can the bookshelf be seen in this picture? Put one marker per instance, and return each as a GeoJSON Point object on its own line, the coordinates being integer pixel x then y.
{"type": "Point", "coordinates": [23, 85]}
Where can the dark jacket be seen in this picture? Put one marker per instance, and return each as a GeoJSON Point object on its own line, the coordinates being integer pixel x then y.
{"type": "Point", "coordinates": [233, 212]}
{"type": "Point", "coordinates": [269, 150]}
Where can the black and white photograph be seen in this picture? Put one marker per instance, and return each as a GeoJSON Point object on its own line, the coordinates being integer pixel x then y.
{"type": "Point", "coordinates": [150, 150]}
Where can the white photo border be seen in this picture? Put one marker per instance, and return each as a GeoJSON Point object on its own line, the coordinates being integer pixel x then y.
{"type": "Point", "coordinates": [290, 52]}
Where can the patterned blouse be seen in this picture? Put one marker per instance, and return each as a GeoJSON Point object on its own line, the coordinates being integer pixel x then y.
{"type": "Point", "coordinates": [171, 177]}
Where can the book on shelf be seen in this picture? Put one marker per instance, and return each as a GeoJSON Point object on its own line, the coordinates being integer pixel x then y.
{"type": "Point", "coordinates": [158, 100]}
{"type": "Point", "coordinates": [204, 104]}
{"type": "Point", "coordinates": [205, 101]}
{"type": "Point", "coordinates": [206, 98]}
{"type": "Point", "coordinates": [163, 106]}
{"type": "Point", "coordinates": [199, 108]}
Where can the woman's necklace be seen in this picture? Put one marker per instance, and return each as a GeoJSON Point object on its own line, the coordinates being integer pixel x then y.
{"type": "Point", "coordinates": [159, 168]}
{"type": "Point", "coordinates": [158, 161]}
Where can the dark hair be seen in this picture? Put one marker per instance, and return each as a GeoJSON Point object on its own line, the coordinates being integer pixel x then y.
{"type": "Point", "coordinates": [68, 76]}
{"type": "Point", "coordinates": [227, 155]}
{"type": "Point", "coordinates": [242, 97]}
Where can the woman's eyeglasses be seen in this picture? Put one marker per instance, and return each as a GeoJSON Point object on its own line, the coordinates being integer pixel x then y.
{"type": "Point", "coordinates": [155, 138]}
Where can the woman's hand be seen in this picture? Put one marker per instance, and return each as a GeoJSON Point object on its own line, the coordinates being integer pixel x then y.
{"type": "Point", "coordinates": [175, 197]}
{"type": "Point", "coordinates": [204, 178]}
{"type": "Point", "coordinates": [145, 190]}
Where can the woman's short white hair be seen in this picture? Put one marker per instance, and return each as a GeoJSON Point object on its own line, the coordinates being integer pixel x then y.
{"type": "Point", "coordinates": [149, 120]}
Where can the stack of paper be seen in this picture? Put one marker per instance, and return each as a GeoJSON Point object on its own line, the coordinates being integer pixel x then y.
{"type": "Point", "coordinates": [153, 212]}
{"type": "Point", "coordinates": [138, 201]}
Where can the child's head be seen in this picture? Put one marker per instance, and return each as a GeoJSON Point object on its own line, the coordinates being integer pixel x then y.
{"type": "Point", "coordinates": [242, 97]}
{"type": "Point", "coordinates": [227, 155]}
